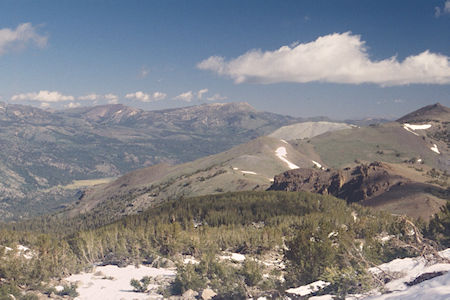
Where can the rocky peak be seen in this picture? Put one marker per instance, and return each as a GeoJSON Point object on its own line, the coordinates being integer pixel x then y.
{"type": "Point", "coordinates": [352, 184]}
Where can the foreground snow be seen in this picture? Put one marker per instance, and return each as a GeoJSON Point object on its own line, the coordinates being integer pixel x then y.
{"type": "Point", "coordinates": [22, 250]}
{"type": "Point", "coordinates": [113, 283]}
{"type": "Point", "coordinates": [281, 154]}
{"type": "Point", "coordinates": [412, 268]}
{"type": "Point", "coordinates": [233, 257]}
{"type": "Point", "coordinates": [405, 270]}
{"type": "Point", "coordinates": [308, 289]}
{"type": "Point", "coordinates": [437, 288]}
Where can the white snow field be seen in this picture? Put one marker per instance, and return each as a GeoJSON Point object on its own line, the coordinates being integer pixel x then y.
{"type": "Point", "coordinates": [113, 283]}
{"type": "Point", "coordinates": [281, 153]}
{"type": "Point", "coordinates": [406, 270]}
{"type": "Point", "coordinates": [308, 289]}
{"type": "Point", "coordinates": [411, 128]}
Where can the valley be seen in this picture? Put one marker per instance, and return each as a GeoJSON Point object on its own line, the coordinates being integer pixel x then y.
{"type": "Point", "coordinates": [41, 151]}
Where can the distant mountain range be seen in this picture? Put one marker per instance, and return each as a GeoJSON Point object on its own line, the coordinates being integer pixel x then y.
{"type": "Point", "coordinates": [408, 154]}
{"type": "Point", "coordinates": [49, 159]}
{"type": "Point", "coordinates": [41, 152]}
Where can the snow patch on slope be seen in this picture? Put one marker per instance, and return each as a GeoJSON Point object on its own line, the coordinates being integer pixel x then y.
{"type": "Point", "coordinates": [417, 127]}
{"type": "Point", "coordinates": [281, 154]}
{"type": "Point", "coordinates": [118, 286]}
{"type": "Point", "coordinates": [233, 256]}
{"type": "Point", "coordinates": [411, 128]}
{"type": "Point", "coordinates": [249, 172]}
{"type": "Point", "coordinates": [435, 149]}
{"type": "Point", "coordinates": [308, 289]}
{"type": "Point", "coordinates": [23, 251]}
{"type": "Point", "coordinates": [317, 164]}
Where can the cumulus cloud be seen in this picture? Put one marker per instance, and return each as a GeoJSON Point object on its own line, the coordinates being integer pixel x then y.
{"type": "Point", "coordinates": [438, 11]}
{"type": "Point", "coordinates": [43, 96]}
{"type": "Point", "coordinates": [159, 96]}
{"type": "Point", "coordinates": [73, 105]}
{"type": "Point", "coordinates": [217, 97]}
{"type": "Point", "coordinates": [185, 96]}
{"type": "Point", "coordinates": [143, 97]}
{"type": "Point", "coordinates": [338, 58]}
{"type": "Point", "coordinates": [112, 98]}
{"type": "Point", "coordinates": [20, 37]}
{"type": "Point", "coordinates": [44, 105]}
{"type": "Point", "coordinates": [90, 97]}
{"type": "Point", "coordinates": [200, 93]}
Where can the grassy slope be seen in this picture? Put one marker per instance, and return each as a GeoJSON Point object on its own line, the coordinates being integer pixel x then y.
{"type": "Point", "coordinates": [340, 148]}
{"type": "Point", "coordinates": [213, 174]}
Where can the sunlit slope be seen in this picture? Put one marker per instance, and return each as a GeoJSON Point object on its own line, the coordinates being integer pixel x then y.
{"type": "Point", "coordinates": [307, 130]}
{"type": "Point", "coordinates": [389, 142]}
{"type": "Point", "coordinates": [249, 166]}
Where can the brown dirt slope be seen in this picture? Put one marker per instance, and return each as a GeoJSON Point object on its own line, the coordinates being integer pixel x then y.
{"type": "Point", "coordinates": [376, 185]}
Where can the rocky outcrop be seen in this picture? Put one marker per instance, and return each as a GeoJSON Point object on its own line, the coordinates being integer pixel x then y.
{"type": "Point", "coordinates": [352, 184]}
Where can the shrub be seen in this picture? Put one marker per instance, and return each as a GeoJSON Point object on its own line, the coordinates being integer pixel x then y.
{"type": "Point", "coordinates": [347, 280]}
{"type": "Point", "coordinates": [187, 278]}
{"type": "Point", "coordinates": [252, 272]}
{"type": "Point", "coordinates": [140, 286]}
{"type": "Point", "coordinates": [69, 290]}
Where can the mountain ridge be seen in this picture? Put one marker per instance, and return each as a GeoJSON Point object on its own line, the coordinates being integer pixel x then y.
{"type": "Point", "coordinates": [44, 151]}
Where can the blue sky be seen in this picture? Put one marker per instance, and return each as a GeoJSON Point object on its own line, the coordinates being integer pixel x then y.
{"type": "Point", "coordinates": [344, 59]}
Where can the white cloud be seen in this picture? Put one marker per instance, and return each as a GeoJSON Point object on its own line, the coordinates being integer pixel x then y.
{"type": "Point", "coordinates": [90, 97]}
{"type": "Point", "coordinates": [159, 96]}
{"type": "Point", "coordinates": [112, 98]}
{"type": "Point", "coordinates": [44, 105]}
{"type": "Point", "coordinates": [217, 97]}
{"type": "Point", "coordinates": [43, 96]}
{"type": "Point", "coordinates": [200, 93]}
{"type": "Point", "coordinates": [73, 105]}
{"type": "Point", "coordinates": [141, 96]}
{"type": "Point", "coordinates": [20, 37]}
{"type": "Point", "coordinates": [338, 58]}
{"type": "Point", "coordinates": [438, 11]}
{"type": "Point", "coordinates": [185, 96]}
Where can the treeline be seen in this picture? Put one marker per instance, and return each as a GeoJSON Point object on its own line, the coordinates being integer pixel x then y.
{"type": "Point", "coordinates": [322, 234]}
